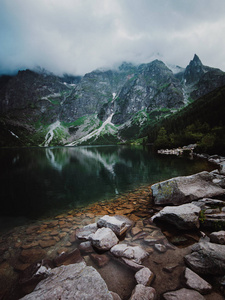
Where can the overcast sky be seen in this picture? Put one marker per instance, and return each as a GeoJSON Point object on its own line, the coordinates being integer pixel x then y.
{"type": "Point", "coordinates": [78, 36]}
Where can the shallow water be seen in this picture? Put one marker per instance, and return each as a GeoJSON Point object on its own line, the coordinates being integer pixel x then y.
{"type": "Point", "coordinates": [42, 182]}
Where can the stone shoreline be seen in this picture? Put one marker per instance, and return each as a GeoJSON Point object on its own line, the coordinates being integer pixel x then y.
{"type": "Point", "coordinates": [30, 253]}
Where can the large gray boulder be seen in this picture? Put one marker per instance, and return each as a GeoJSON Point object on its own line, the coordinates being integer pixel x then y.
{"type": "Point", "coordinates": [183, 294]}
{"type": "Point", "coordinates": [75, 281]}
{"type": "Point", "coordinates": [207, 258]}
{"type": "Point", "coordinates": [185, 189]}
{"type": "Point", "coordinates": [184, 216]}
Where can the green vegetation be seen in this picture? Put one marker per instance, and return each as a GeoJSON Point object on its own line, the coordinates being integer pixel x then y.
{"type": "Point", "coordinates": [201, 122]}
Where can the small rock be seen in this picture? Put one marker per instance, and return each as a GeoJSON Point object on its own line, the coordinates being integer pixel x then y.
{"type": "Point", "coordinates": [32, 255]}
{"type": "Point", "coordinates": [135, 253]}
{"type": "Point", "coordinates": [183, 294]}
{"type": "Point", "coordinates": [143, 292]}
{"type": "Point", "coordinates": [104, 239]}
{"type": "Point", "coordinates": [218, 237]}
{"type": "Point", "coordinates": [101, 260]}
{"type": "Point", "coordinates": [86, 232]}
{"type": "Point", "coordinates": [195, 282]}
{"type": "Point", "coordinates": [160, 248]}
{"type": "Point", "coordinates": [144, 276]}
{"type": "Point", "coordinates": [49, 243]}
{"type": "Point", "coordinates": [118, 224]}
{"type": "Point", "coordinates": [86, 247]}
{"type": "Point", "coordinates": [68, 258]}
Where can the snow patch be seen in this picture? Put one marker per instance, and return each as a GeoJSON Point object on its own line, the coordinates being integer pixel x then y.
{"type": "Point", "coordinates": [50, 134]}
{"type": "Point", "coordinates": [12, 133]}
{"type": "Point", "coordinates": [103, 129]}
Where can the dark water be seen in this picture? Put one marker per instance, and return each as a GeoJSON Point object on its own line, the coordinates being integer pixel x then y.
{"type": "Point", "coordinates": [40, 182]}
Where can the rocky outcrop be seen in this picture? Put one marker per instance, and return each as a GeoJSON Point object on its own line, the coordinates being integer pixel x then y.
{"type": "Point", "coordinates": [184, 216]}
{"type": "Point", "coordinates": [75, 281]}
{"type": "Point", "coordinates": [185, 189]}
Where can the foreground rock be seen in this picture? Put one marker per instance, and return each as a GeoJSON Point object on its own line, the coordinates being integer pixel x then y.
{"type": "Point", "coordinates": [207, 258]}
{"type": "Point", "coordinates": [195, 282]}
{"type": "Point", "coordinates": [183, 294]}
{"type": "Point", "coordinates": [76, 281]}
{"type": "Point", "coordinates": [184, 216]}
{"type": "Point", "coordinates": [184, 189]}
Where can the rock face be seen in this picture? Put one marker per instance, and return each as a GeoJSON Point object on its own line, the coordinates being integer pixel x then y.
{"type": "Point", "coordinates": [184, 216]}
{"type": "Point", "coordinates": [76, 281]}
{"type": "Point", "coordinates": [207, 258]}
{"type": "Point", "coordinates": [195, 282]}
{"type": "Point", "coordinates": [185, 189]}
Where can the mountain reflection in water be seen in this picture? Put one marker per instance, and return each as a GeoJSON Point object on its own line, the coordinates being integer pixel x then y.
{"type": "Point", "coordinates": [41, 182]}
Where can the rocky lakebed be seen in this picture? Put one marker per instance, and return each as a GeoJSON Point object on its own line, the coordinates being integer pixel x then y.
{"type": "Point", "coordinates": [164, 241]}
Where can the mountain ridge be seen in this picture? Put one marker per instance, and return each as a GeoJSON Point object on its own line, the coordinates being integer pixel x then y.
{"type": "Point", "coordinates": [42, 109]}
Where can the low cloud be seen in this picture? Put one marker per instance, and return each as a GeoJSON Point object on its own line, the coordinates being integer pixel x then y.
{"type": "Point", "coordinates": [78, 36]}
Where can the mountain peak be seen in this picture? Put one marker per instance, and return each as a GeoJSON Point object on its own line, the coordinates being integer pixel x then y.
{"type": "Point", "coordinates": [194, 70]}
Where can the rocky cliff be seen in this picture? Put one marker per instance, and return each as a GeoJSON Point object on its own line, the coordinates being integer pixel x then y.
{"type": "Point", "coordinates": [103, 106]}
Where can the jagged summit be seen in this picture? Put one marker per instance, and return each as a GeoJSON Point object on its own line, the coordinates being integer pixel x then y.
{"type": "Point", "coordinates": [194, 70]}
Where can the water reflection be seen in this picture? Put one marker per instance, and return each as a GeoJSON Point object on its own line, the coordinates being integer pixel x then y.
{"type": "Point", "coordinates": [39, 182]}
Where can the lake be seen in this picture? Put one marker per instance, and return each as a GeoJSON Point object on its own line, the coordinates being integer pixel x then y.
{"type": "Point", "coordinates": [42, 182]}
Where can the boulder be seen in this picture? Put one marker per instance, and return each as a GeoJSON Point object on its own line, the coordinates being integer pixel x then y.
{"type": "Point", "coordinates": [143, 292]}
{"type": "Point", "coordinates": [207, 258]}
{"type": "Point", "coordinates": [195, 282]}
{"type": "Point", "coordinates": [118, 224]}
{"type": "Point", "coordinates": [184, 294]}
{"type": "Point", "coordinates": [87, 231]}
{"type": "Point", "coordinates": [75, 281]}
{"type": "Point", "coordinates": [218, 237]}
{"type": "Point", "coordinates": [104, 239]}
{"type": "Point", "coordinates": [134, 253]}
{"type": "Point", "coordinates": [144, 276]}
{"type": "Point", "coordinates": [185, 189]}
{"type": "Point", "coordinates": [184, 216]}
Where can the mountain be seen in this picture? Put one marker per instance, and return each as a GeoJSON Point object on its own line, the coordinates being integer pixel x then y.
{"type": "Point", "coordinates": [38, 108]}
{"type": "Point", "coordinates": [202, 123]}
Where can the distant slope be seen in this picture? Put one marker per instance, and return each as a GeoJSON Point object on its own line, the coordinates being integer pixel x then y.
{"type": "Point", "coordinates": [202, 122]}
